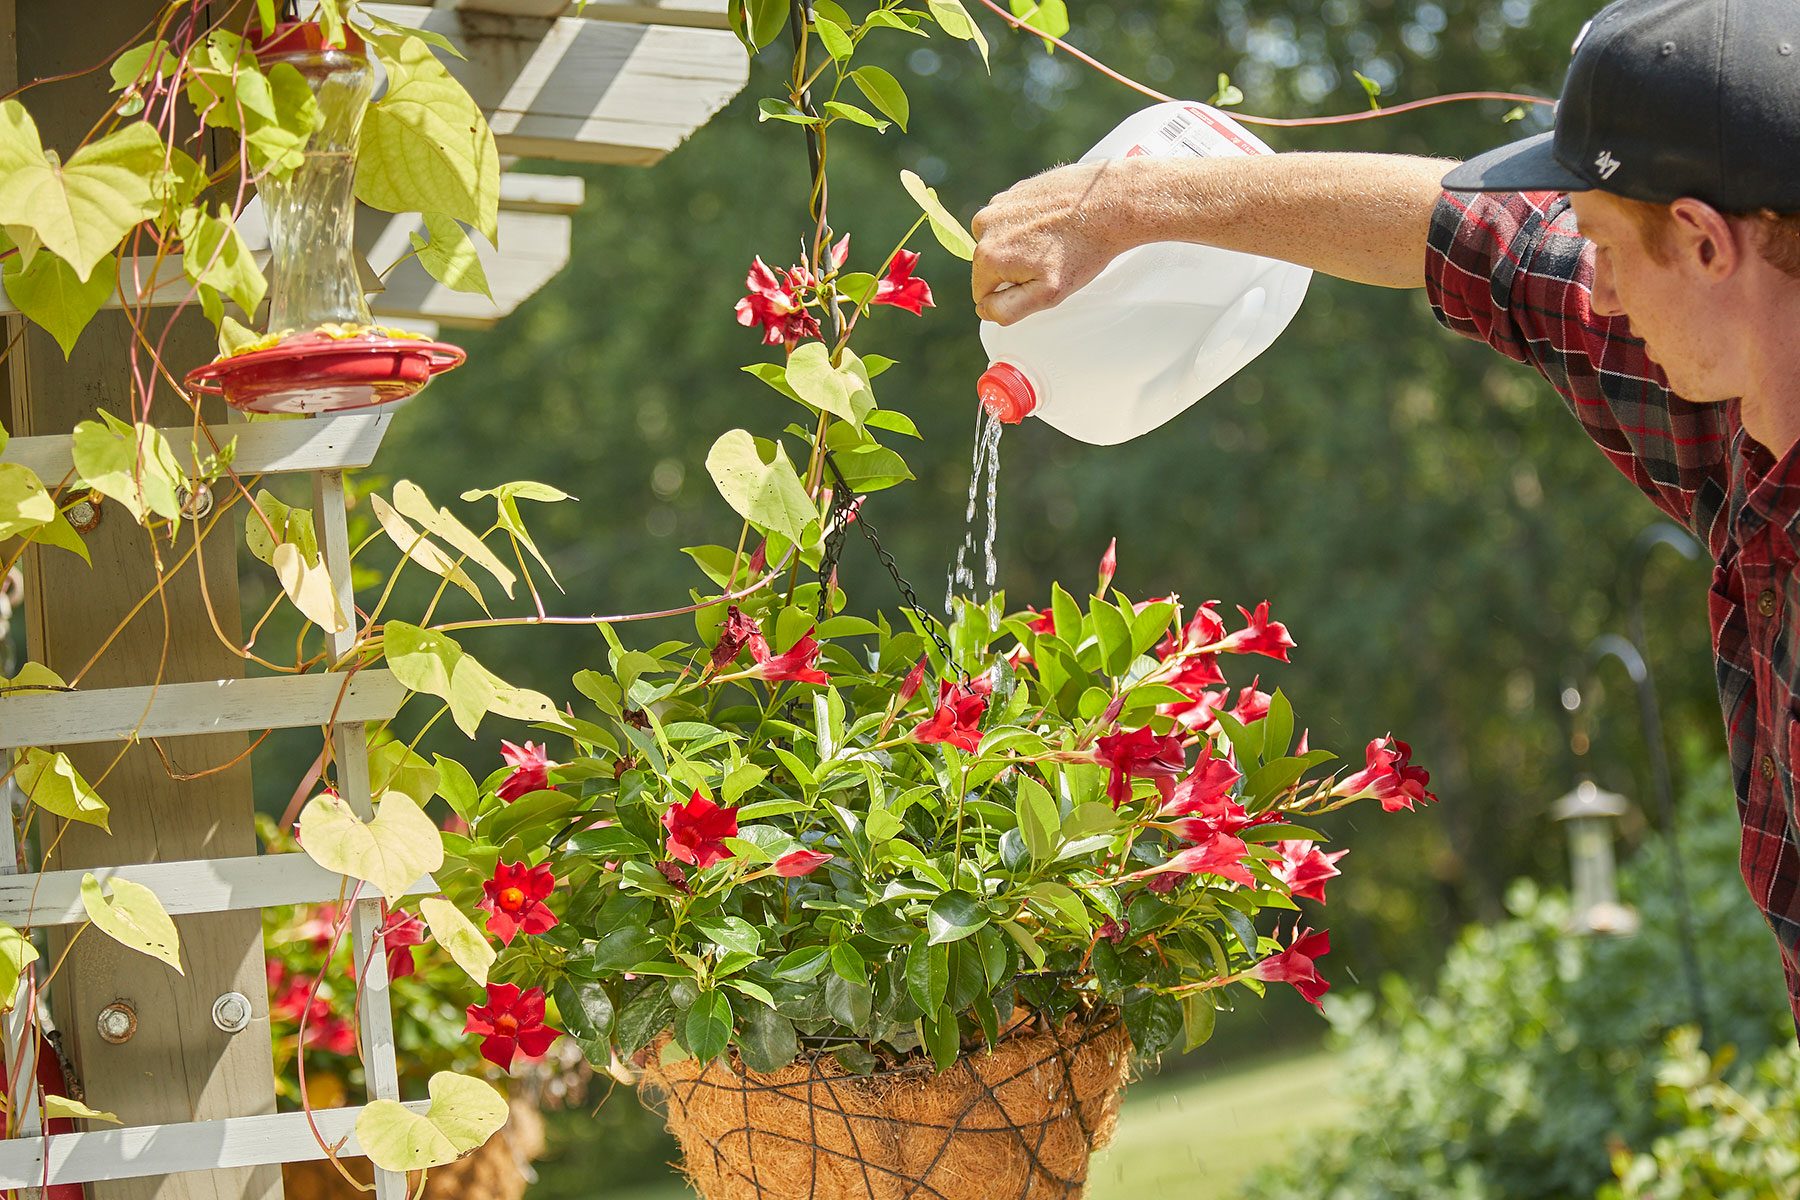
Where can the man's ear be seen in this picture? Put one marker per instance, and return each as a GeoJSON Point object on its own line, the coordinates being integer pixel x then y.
{"type": "Point", "coordinates": [1706, 238]}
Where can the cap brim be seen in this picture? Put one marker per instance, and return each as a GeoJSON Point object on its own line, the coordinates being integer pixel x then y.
{"type": "Point", "coordinates": [1527, 165]}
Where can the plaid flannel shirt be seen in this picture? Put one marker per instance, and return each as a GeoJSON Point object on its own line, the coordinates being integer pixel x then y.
{"type": "Point", "coordinates": [1511, 271]}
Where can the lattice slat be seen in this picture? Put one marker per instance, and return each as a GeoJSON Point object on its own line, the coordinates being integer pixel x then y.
{"type": "Point", "coordinates": [264, 448]}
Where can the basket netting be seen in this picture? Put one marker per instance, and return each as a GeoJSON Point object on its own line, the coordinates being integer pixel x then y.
{"type": "Point", "coordinates": [1017, 1123]}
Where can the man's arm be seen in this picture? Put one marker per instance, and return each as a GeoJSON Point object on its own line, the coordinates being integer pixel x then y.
{"type": "Point", "coordinates": [1362, 217]}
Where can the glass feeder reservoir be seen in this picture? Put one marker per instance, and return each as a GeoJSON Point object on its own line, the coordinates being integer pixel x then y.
{"type": "Point", "coordinates": [323, 352]}
{"type": "Point", "coordinates": [1589, 814]}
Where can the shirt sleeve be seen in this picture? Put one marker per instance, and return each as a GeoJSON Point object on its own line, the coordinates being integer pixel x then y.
{"type": "Point", "coordinates": [1512, 270]}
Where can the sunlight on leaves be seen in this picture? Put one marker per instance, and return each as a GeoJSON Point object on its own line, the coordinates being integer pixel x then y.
{"type": "Point", "coordinates": [133, 917]}
{"type": "Point", "coordinates": [465, 1112]}
{"type": "Point", "coordinates": [466, 945]}
{"type": "Point", "coordinates": [390, 852]}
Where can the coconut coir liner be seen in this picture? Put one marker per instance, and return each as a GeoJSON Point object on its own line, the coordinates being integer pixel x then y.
{"type": "Point", "coordinates": [1019, 1123]}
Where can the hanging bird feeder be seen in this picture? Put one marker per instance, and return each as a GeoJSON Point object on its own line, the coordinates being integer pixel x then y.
{"type": "Point", "coordinates": [323, 352]}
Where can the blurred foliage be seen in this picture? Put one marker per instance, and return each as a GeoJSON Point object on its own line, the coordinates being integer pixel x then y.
{"type": "Point", "coordinates": [1427, 517]}
{"type": "Point", "coordinates": [1536, 1050]}
{"type": "Point", "coordinates": [1732, 1143]}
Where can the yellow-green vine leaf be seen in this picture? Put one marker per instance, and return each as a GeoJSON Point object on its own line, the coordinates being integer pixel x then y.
{"type": "Point", "coordinates": [390, 852]}
{"type": "Point", "coordinates": [213, 253]}
{"type": "Point", "coordinates": [448, 254]}
{"type": "Point", "coordinates": [757, 480]}
{"type": "Point", "coordinates": [465, 1112]}
{"type": "Point", "coordinates": [275, 110]}
{"type": "Point", "coordinates": [468, 948]}
{"type": "Point", "coordinates": [150, 61]}
{"type": "Point", "coordinates": [507, 497]}
{"type": "Point", "coordinates": [431, 662]}
{"type": "Point", "coordinates": [62, 535]}
{"type": "Point", "coordinates": [24, 503]}
{"type": "Point", "coordinates": [308, 585]}
{"type": "Point", "coordinates": [422, 550]}
{"type": "Point", "coordinates": [48, 291]}
{"type": "Point", "coordinates": [410, 500]}
{"type": "Point", "coordinates": [426, 147]}
{"type": "Point", "coordinates": [394, 766]}
{"type": "Point", "coordinates": [950, 232]}
{"type": "Point", "coordinates": [1048, 17]}
{"type": "Point", "coordinates": [51, 782]}
{"type": "Point", "coordinates": [63, 1108]}
{"type": "Point", "coordinates": [843, 390]}
{"type": "Point", "coordinates": [36, 677]}
{"type": "Point", "coordinates": [129, 463]}
{"type": "Point", "coordinates": [133, 917]}
{"type": "Point", "coordinates": [16, 953]}
{"type": "Point", "coordinates": [291, 525]}
{"type": "Point", "coordinates": [954, 20]}
{"type": "Point", "coordinates": [82, 208]}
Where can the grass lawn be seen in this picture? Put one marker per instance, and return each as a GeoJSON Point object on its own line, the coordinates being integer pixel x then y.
{"type": "Point", "coordinates": [1192, 1136]}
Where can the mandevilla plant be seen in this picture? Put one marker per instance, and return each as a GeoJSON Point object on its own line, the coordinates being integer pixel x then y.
{"type": "Point", "coordinates": [803, 835]}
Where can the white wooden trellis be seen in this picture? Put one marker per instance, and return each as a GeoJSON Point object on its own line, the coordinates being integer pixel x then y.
{"type": "Point", "coordinates": [340, 704]}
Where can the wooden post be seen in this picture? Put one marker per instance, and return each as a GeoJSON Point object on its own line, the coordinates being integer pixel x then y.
{"type": "Point", "coordinates": [177, 1066]}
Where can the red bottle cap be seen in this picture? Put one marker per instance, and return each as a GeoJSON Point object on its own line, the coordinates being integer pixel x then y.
{"type": "Point", "coordinates": [1006, 393]}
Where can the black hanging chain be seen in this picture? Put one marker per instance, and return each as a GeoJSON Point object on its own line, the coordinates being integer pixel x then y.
{"type": "Point", "coordinates": [845, 512]}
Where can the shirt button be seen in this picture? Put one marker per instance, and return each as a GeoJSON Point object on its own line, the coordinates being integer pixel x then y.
{"type": "Point", "coordinates": [1767, 602]}
{"type": "Point", "coordinates": [1768, 767]}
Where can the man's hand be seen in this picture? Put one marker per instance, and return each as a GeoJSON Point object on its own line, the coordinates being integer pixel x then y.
{"type": "Point", "coordinates": [1044, 238]}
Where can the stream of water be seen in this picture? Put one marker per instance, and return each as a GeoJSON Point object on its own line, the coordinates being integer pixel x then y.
{"type": "Point", "coordinates": [984, 470]}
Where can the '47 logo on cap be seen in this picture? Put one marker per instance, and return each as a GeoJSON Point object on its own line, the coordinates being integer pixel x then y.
{"type": "Point", "coordinates": [1606, 164]}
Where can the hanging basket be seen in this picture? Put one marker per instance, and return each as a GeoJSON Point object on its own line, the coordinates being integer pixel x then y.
{"type": "Point", "coordinates": [313, 373]}
{"type": "Point", "coordinates": [1019, 1123]}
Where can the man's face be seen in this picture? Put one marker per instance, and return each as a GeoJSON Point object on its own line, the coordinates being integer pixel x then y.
{"type": "Point", "coordinates": [1669, 303]}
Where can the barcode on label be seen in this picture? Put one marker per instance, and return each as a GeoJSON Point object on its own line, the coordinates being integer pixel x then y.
{"type": "Point", "coordinates": [1175, 127]}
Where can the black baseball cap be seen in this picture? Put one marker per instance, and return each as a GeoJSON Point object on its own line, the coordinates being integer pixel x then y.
{"type": "Point", "coordinates": [1665, 99]}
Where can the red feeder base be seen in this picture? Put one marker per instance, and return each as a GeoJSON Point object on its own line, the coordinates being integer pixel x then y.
{"type": "Point", "coordinates": [313, 373]}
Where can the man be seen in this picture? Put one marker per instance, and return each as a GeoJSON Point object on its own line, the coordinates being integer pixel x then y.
{"type": "Point", "coordinates": [1670, 322]}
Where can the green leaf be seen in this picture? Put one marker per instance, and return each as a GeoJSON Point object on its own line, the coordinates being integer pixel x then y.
{"type": "Point", "coordinates": [1198, 1016]}
{"type": "Point", "coordinates": [507, 496]}
{"type": "Point", "coordinates": [308, 585]}
{"type": "Point", "coordinates": [136, 65]}
{"type": "Point", "coordinates": [467, 946]}
{"type": "Point", "coordinates": [48, 291]}
{"type": "Point", "coordinates": [1227, 93]}
{"type": "Point", "coordinates": [848, 964]}
{"type": "Point", "coordinates": [954, 20]}
{"type": "Point", "coordinates": [448, 254]}
{"type": "Point", "coordinates": [767, 1041]}
{"type": "Point", "coordinates": [1049, 17]}
{"type": "Point", "coordinates": [1371, 87]}
{"type": "Point", "coordinates": [431, 662]}
{"type": "Point", "coordinates": [833, 37]}
{"type": "Point", "coordinates": [927, 972]}
{"type": "Point", "coordinates": [1114, 634]}
{"type": "Point", "coordinates": [130, 464]}
{"type": "Point", "coordinates": [708, 1025]}
{"type": "Point", "coordinates": [771, 108]}
{"type": "Point", "coordinates": [16, 953]}
{"type": "Point", "coordinates": [133, 917]}
{"type": "Point", "coordinates": [949, 231]}
{"type": "Point", "coordinates": [732, 933]}
{"type": "Point", "coordinates": [465, 1112]}
{"type": "Point", "coordinates": [1039, 822]}
{"type": "Point", "coordinates": [586, 1006]}
{"type": "Point", "coordinates": [426, 147]}
{"type": "Point", "coordinates": [849, 112]}
{"type": "Point", "coordinates": [51, 782]}
{"type": "Point", "coordinates": [884, 92]}
{"type": "Point", "coordinates": [410, 501]}
{"type": "Point", "coordinates": [843, 391]}
{"type": "Point", "coordinates": [25, 504]}
{"type": "Point", "coordinates": [394, 765]}
{"type": "Point", "coordinates": [850, 1004]}
{"type": "Point", "coordinates": [390, 852]}
{"type": "Point", "coordinates": [417, 547]}
{"type": "Point", "coordinates": [212, 253]}
{"type": "Point", "coordinates": [941, 1036]}
{"type": "Point", "coordinates": [63, 1108]}
{"type": "Point", "coordinates": [80, 209]}
{"type": "Point", "coordinates": [804, 964]}
{"type": "Point", "coordinates": [953, 916]}
{"type": "Point", "coordinates": [768, 18]}
{"type": "Point", "coordinates": [763, 488]}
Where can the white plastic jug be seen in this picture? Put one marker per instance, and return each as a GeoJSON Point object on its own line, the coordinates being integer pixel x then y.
{"type": "Point", "coordinates": [1160, 327]}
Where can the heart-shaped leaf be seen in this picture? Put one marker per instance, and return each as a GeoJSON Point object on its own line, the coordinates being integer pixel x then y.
{"type": "Point", "coordinates": [82, 208]}
{"type": "Point", "coordinates": [129, 463]}
{"type": "Point", "coordinates": [308, 584]}
{"type": "Point", "coordinates": [134, 917]}
{"type": "Point", "coordinates": [458, 935]}
{"type": "Point", "coordinates": [51, 782]}
{"type": "Point", "coordinates": [48, 291]}
{"type": "Point", "coordinates": [391, 852]}
{"type": "Point", "coordinates": [425, 146]}
{"type": "Point", "coordinates": [24, 504]}
{"type": "Point", "coordinates": [763, 487]}
{"type": "Point", "coordinates": [464, 1113]}
{"type": "Point", "coordinates": [448, 254]}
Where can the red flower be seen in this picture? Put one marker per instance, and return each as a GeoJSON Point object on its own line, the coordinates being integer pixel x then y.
{"type": "Point", "coordinates": [1139, 754]}
{"type": "Point", "coordinates": [514, 900]}
{"type": "Point", "coordinates": [697, 831]}
{"type": "Point", "coordinates": [1204, 799]}
{"type": "Point", "coordinates": [909, 687]}
{"type": "Point", "coordinates": [1114, 931]}
{"type": "Point", "coordinates": [321, 925]}
{"type": "Point", "coordinates": [796, 863]}
{"type": "Point", "coordinates": [1109, 566]}
{"type": "Point", "coordinates": [1389, 776]}
{"type": "Point", "coordinates": [1162, 882]}
{"type": "Point", "coordinates": [794, 663]}
{"type": "Point", "coordinates": [1295, 964]}
{"type": "Point", "coordinates": [400, 932]}
{"type": "Point", "coordinates": [1045, 621]}
{"type": "Point", "coordinates": [1205, 628]}
{"type": "Point", "coordinates": [1196, 674]}
{"type": "Point", "coordinates": [531, 770]}
{"type": "Point", "coordinates": [1198, 713]}
{"type": "Point", "coordinates": [1260, 635]}
{"type": "Point", "coordinates": [293, 1001]}
{"type": "Point", "coordinates": [1305, 868]}
{"type": "Point", "coordinates": [838, 255]}
{"type": "Point", "coordinates": [774, 303]}
{"type": "Point", "coordinates": [1221, 855]}
{"type": "Point", "coordinates": [737, 632]}
{"type": "Point", "coordinates": [511, 1022]}
{"type": "Point", "coordinates": [957, 720]}
{"type": "Point", "coordinates": [333, 1035]}
{"type": "Point", "coordinates": [1252, 705]}
{"type": "Point", "coordinates": [900, 289]}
